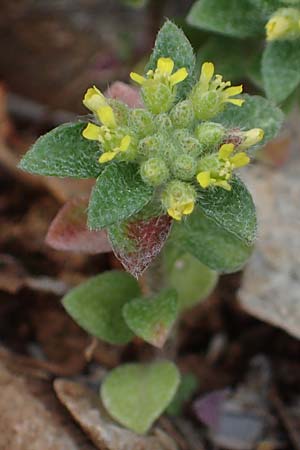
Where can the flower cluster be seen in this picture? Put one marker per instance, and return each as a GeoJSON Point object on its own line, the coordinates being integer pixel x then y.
{"type": "Point", "coordinates": [178, 148]}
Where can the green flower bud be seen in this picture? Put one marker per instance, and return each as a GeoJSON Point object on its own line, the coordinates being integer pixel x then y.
{"type": "Point", "coordinates": [207, 104]}
{"type": "Point", "coordinates": [210, 135]}
{"type": "Point", "coordinates": [209, 162]}
{"type": "Point", "coordinates": [182, 115]}
{"type": "Point", "coordinates": [184, 167]}
{"type": "Point", "coordinates": [149, 145]}
{"type": "Point", "coordinates": [164, 122]}
{"type": "Point", "coordinates": [178, 199]}
{"type": "Point", "coordinates": [158, 97]}
{"type": "Point", "coordinates": [188, 144]}
{"type": "Point", "coordinates": [121, 111]}
{"type": "Point", "coordinates": [154, 171]}
{"type": "Point", "coordinates": [142, 122]}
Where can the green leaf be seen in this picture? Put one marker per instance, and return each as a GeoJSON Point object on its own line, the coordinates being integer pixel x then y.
{"type": "Point", "coordinates": [187, 388]}
{"type": "Point", "coordinates": [136, 394]}
{"type": "Point", "coordinates": [236, 18]}
{"type": "Point", "coordinates": [256, 112]}
{"type": "Point", "coordinates": [232, 210]}
{"type": "Point", "coordinates": [213, 246]}
{"type": "Point", "coordinates": [233, 66]}
{"type": "Point", "coordinates": [63, 152]}
{"type": "Point", "coordinates": [171, 42]}
{"type": "Point", "coordinates": [281, 69]}
{"type": "Point", "coordinates": [266, 7]}
{"type": "Point", "coordinates": [192, 280]}
{"type": "Point", "coordinates": [119, 193]}
{"type": "Point", "coordinates": [96, 305]}
{"type": "Point", "coordinates": [152, 318]}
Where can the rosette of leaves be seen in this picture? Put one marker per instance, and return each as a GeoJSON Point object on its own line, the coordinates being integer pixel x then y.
{"type": "Point", "coordinates": [267, 31]}
{"type": "Point", "coordinates": [163, 174]}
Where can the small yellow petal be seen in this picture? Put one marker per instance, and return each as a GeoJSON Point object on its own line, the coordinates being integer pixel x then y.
{"type": "Point", "coordinates": [165, 65]}
{"type": "Point", "coordinates": [203, 179]}
{"type": "Point", "coordinates": [235, 101]}
{"type": "Point", "coordinates": [93, 99]}
{"type": "Point", "coordinates": [207, 72]}
{"type": "Point", "coordinates": [174, 213]}
{"type": "Point", "coordinates": [137, 78]}
{"type": "Point", "coordinates": [240, 160]}
{"type": "Point", "coordinates": [178, 76]}
{"type": "Point", "coordinates": [189, 208]}
{"type": "Point", "coordinates": [252, 137]}
{"type": "Point", "coordinates": [91, 132]}
{"type": "Point", "coordinates": [234, 90]}
{"type": "Point", "coordinates": [107, 156]}
{"type": "Point", "coordinates": [106, 115]}
{"type": "Point", "coordinates": [125, 142]}
{"type": "Point", "coordinates": [223, 184]}
{"type": "Point", "coordinates": [225, 151]}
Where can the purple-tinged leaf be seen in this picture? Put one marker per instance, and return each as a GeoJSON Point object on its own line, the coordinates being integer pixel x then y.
{"type": "Point", "coordinates": [208, 408]}
{"type": "Point", "coordinates": [68, 231]}
{"type": "Point", "coordinates": [137, 243]}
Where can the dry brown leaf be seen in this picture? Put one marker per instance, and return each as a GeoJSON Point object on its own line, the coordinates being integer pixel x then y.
{"type": "Point", "coordinates": [86, 409]}
{"type": "Point", "coordinates": [31, 418]}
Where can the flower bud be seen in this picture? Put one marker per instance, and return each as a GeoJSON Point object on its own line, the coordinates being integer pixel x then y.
{"type": "Point", "coordinates": [163, 122]}
{"type": "Point", "coordinates": [158, 97]}
{"type": "Point", "coordinates": [182, 115]}
{"type": "Point", "coordinates": [178, 199]}
{"type": "Point", "coordinates": [210, 135]}
{"type": "Point", "coordinates": [207, 104]}
{"type": "Point", "coordinates": [187, 143]}
{"type": "Point", "coordinates": [154, 171]}
{"type": "Point", "coordinates": [249, 138]}
{"type": "Point", "coordinates": [284, 24]}
{"type": "Point", "coordinates": [121, 111]}
{"type": "Point", "coordinates": [142, 122]}
{"type": "Point", "coordinates": [184, 167]}
{"type": "Point", "coordinates": [150, 145]}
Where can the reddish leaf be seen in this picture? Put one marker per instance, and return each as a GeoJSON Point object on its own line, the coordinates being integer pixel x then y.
{"type": "Point", "coordinates": [69, 232]}
{"type": "Point", "coordinates": [125, 93]}
{"type": "Point", "coordinates": [136, 244]}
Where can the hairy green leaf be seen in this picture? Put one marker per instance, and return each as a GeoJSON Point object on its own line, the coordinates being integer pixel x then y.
{"type": "Point", "coordinates": [232, 210]}
{"type": "Point", "coordinates": [256, 112]}
{"type": "Point", "coordinates": [96, 305]}
{"type": "Point", "coordinates": [281, 69]}
{"type": "Point", "coordinates": [136, 394]}
{"type": "Point", "coordinates": [63, 152]}
{"type": "Point", "coordinates": [238, 18]}
{"type": "Point", "coordinates": [213, 246]}
{"type": "Point", "coordinates": [119, 193]}
{"type": "Point", "coordinates": [152, 318]}
{"type": "Point", "coordinates": [171, 42]}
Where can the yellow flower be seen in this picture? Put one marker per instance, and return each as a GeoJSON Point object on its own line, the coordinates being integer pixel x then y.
{"type": "Point", "coordinates": [251, 137]}
{"type": "Point", "coordinates": [284, 24]}
{"type": "Point", "coordinates": [93, 99]}
{"type": "Point", "coordinates": [163, 73]}
{"type": "Point", "coordinates": [179, 199]}
{"type": "Point", "coordinates": [221, 174]}
{"type": "Point", "coordinates": [108, 156]}
{"type": "Point", "coordinates": [107, 134]}
{"type": "Point", "coordinates": [180, 210]}
{"type": "Point", "coordinates": [208, 82]}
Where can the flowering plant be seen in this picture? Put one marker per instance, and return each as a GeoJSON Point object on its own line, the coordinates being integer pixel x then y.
{"type": "Point", "coordinates": [267, 31]}
{"type": "Point", "coordinates": [165, 174]}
